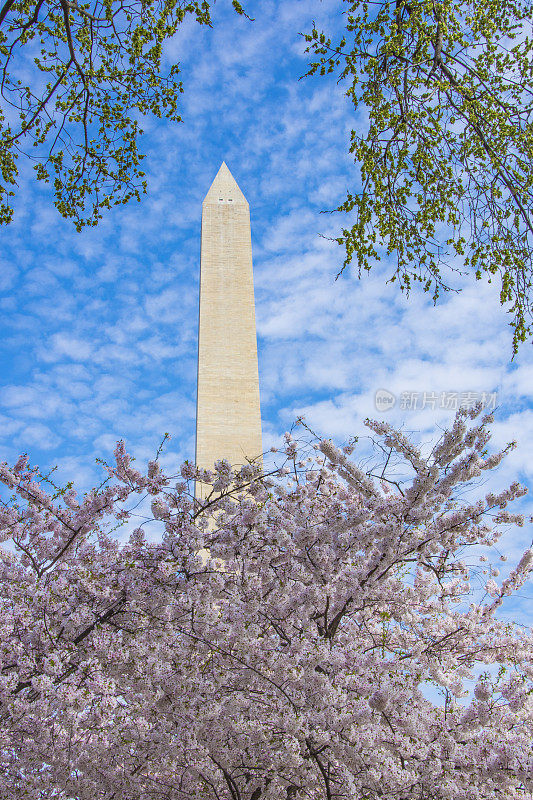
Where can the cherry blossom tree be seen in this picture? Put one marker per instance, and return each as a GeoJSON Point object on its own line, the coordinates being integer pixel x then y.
{"type": "Point", "coordinates": [323, 632]}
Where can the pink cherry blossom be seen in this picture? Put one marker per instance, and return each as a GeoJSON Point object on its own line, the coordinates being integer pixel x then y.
{"type": "Point", "coordinates": [313, 633]}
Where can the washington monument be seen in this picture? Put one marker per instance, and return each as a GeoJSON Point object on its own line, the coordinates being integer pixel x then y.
{"type": "Point", "coordinates": [228, 416]}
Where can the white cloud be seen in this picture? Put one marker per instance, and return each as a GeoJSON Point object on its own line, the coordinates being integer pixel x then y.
{"type": "Point", "coordinates": [76, 349]}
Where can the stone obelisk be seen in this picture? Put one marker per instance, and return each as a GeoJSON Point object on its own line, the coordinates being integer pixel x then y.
{"type": "Point", "coordinates": [228, 417]}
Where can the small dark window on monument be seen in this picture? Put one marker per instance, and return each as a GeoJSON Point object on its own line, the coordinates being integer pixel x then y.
{"type": "Point", "coordinates": [230, 199]}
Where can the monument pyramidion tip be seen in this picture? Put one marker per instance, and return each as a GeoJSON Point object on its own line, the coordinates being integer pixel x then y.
{"type": "Point", "coordinates": [224, 188]}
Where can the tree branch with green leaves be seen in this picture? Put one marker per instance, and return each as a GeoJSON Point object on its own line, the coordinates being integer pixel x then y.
{"type": "Point", "coordinates": [445, 159]}
{"type": "Point", "coordinates": [76, 80]}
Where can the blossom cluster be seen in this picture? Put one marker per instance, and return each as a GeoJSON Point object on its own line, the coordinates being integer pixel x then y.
{"type": "Point", "coordinates": [316, 638]}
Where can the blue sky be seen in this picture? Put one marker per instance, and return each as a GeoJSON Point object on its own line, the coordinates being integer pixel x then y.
{"type": "Point", "coordinates": [99, 328]}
